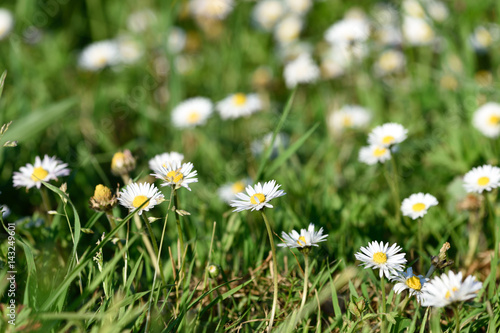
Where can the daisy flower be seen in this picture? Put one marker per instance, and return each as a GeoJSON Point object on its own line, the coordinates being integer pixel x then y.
{"type": "Point", "coordinates": [192, 112]}
{"type": "Point", "coordinates": [228, 191]}
{"type": "Point", "coordinates": [136, 194]}
{"type": "Point", "coordinates": [417, 31]}
{"type": "Point", "coordinates": [6, 22]}
{"type": "Point", "coordinates": [47, 169]}
{"type": "Point", "coordinates": [306, 238]}
{"type": "Point", "coordinates": [141, 20]}
{"type": "Point", "coordinates": [348, 31]}
{"type": "Point", "coordinates": [449, 288]}
{"type": "Point", "coordinates": [349, 116]}
{"type": "Point", "coordinates": [417, 205]}
{"type": "Point", "coordinates": [211, 9]}
{"type": "Point", "coordinates": [483, 37]}
{"type": "Point", "coordinates": [408, 280]}
{"type": "Point", "coordinates": [176, 175]}
{"type": "Point", "coordinates": [257, 197]}
{"type": "Point", "coordinates": [387, 135]}
{"type": "Point", "coordinates": [165, 159]}
{"type": "Point", "coordinates": [288, 29]}
{"type": "Point", "coordinates": [487, 119]}
{"type": "Point", "coordinates": [98, 55]}
{"type": "Point", "coordinates": [267, 12]}
{"type": "Point", "coordinates": [129, 50]}
{"type": "Point", "coordinates": [385, 258]}
{"type": "Point", "coordinates": [299, 7]}
{"type": "Point", "coordinates": [301, 70]}
{"type": "Point", "coordinates": [238, 105]}
{"type": "Point", "coordinates": [483, 178]}
{"type": "Point", "coordinates": [373, 154]}
{"type": "Point", "coordinates": [177, 40]}
{"type": "Point", "coordinates": [389, 62]}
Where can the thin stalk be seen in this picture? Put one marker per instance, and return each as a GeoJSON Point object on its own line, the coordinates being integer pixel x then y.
{"type": "Point", "coordinates": [420, 246]}
{"type": "Point", "coordinates": [383, 305]}
{"type": "Point", "coordinates": [46, 203]}
{"type": "Point", "coordinates": [397, 201]}
{"type": "Point", "coordinates": [158, 263]}
{"type": "Point", "coordinates": [306, 280]}
{"type": "Point", "coordinates": [275, 272]}
{"type": "Point", "coordinates": [112, 224]}
{"type": "Point", "coordinates": [178, 219]}
{"type": "Point", "coordinates": [457, 319]}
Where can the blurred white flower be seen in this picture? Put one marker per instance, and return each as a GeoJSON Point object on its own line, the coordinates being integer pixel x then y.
{"type": "Point", "coordinates": [349, 116]}
{"type": "Point", "coordinates": [141, 20]}
{"type": "Point", "coordinates": [228, 191]}
{"type": "Point", "coordinates": [437, 10]}
{"type": "Point", "coordinates": [238, 105]}
{"type": "Point", "coordinates": [129, 49]}
{"type": "Point", "coordinates": [211, 9]}
{"type": "Point", "coordinates": [348, 31]}
{"type": "Point", "coordinates": [417, 31]}
{"type": "Point", "coordinates": [449, 288]}
{"type": "Point", "coordinates": [483, 178]}
{"type": "Point", "coordinates": [387, 135]}
{"type": "Point", "coordinates": [192, 112]}
{"type": "Point", "coordinates": [98, 55]}
{"type": "Point", "coordinates": [487, 119]}
{"type": "Point", "coordinates": [267, 12]}
{"type": "Point", "coordinates": [176, 40]}
{"type": "Point", "coordinates": [484, 36]}
{"type": "Point", "coordinates": [373, 154]}
{"type": "Point", "coordinates": [5, 211]}
{"type": "Point", "coordinates": [47, 169]}
{"type": "Point", "coordinates": [6, 22]}
{"type": "Point", "coordinates": [288, 29]}
{"type": "Point", "coordinates": [389, 62]}
{"type": "Point", "coordinates": [413, 8]}
{"type": "Point", "coordinates": [301, 70]}
{"type": "Point", "coordinates": [300, 7]}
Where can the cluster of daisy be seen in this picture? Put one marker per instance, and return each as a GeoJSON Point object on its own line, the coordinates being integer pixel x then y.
{"type": "Point", "coordinates": [440, 291]}
{"type": "Point", "coordinates": [382, 140]}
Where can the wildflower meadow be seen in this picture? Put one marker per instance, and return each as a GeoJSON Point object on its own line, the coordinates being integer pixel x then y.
{"type": "Point", "coordinates": [250, 166]}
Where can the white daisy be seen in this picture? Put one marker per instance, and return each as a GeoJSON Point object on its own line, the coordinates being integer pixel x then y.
{"type": "Point", "coordinates": [98, 55]}
{"type": "Point", "coordinates": [141, 20]}
{"type": "Point", "coordinates": [449, 288]}
{"type": "Point", "coordinates": [417, 205]}
{"type": "Point", "coordinates": [389, 62]}
{"type": "Point", "coordinates": [483, 37]}
{"type": "Point", "coordinates": [483, 178]}
{"type": "Point", "coordinates": [238, 105]}
{"type": "Point", "coordinates": [389, 34]}
{"type": "Point", "coordinates": [348, 31]}
{"type": "Point", "coordinates": [301, 70]}
{"type": "Point", "coordinates": [211, 9]}
{"type": "Point", "coordinates": [373, 154]}
{"type": "Point", "coordinates": [487, 119]}
{"type": "Point", "coordinates": [165, 159]}
{"type": "Point", "coordinates": [349, 116]}
{"type": "Point", "coordinates": [267, 12]}
{"type": "Point", "coordinates": [176, 175]}
{"type": "Point", "coordinates": [387, 135]}
{"type": "Point", "coordinates": [135, 194]}
{"type": "Point", "coordinates": [413, 8]}
{"type": "Point", "coordinates": [192, 112]}
{"type": "Point", "coordinates": [47, 169]}
{"type": "Point", "coordinates": [437, 10]}
{"type": "Point", "coordinates": [130, 50]}
{"type": "Point", "coordinates": [299, 7]}
{"type": "Point", "coordinates": [288, 29]}
{"type": "Point", "coordinates": [6, 22]}
{"type": "Point", "coordinates": [417, 31]}
{"type": "Point", "coordinates": [176, 40]}
{"type": "Point", "coordinates": [228, 191]}
{"type": "Point", "coordinates": [257, 197]}
{"type": "Point", "coordinates": [408, 280]}
{"type": "Point", "coordinates": [306, 238]}
{"type": "Point", "coordinates": [385, 258]}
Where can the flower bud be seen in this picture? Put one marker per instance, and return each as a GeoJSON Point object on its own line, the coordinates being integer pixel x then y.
{"type": "Point", "coordinates": [122, 163]}
{"type": "Point", "coordinates": [103, 200]}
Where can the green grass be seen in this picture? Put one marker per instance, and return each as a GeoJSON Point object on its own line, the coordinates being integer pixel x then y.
{"type": "Point", "coordinates": [83, 118]}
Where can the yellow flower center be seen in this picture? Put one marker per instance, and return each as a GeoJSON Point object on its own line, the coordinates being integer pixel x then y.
{"type": "Point", "coordinates": [238, 187]}
{"type": "Point", "coordinates": [414, 283]}
{"type": "Point", "coordinates": [239, 99]}
{"type": "Point", "coordinates": [302, 241]}
{"type": "Point", "coordinates": [387, 140]}
{"type": "Point", "coordinates": [380, 258]}
{"type": "Point", "coordinates": [193, 117]}
{"type": "Point", "coordinates": [483, 181]}
{"type": "Point", "coordinates": [494, 120]}
{"type": "Point", "coordinates": [379, 152]}
{"type": "Point", "coordinates": [257, 198]}
{"type": "Point", "coordinates": [101, 60]}
{"type": "Point", "coordinates": [174, 176]}
{"type": "Point", "coordinates": [484, 38]}
{"type": "Point", "coordinates": [139, 200]}
{"type": "Point", "coordinates": [448, 294]}
{"type": "Point", "coordinates": [102, 192]}
{"type": "Point", "coordinates": [347, 121]}
{"type": "Point", "coordinates": [418, 207]}
{"type": "Point", "coordinates": [38, 174]}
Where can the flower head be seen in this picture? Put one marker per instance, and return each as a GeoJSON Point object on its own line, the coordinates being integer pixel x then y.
{"type": "Point", "coordinates": [211, 9]}
{"type": "Point", "coordinates": [135, 195]}
{"type": "Point", "coordinates": [301, 70]}
{"type": "Point", "coordinates": [103, 200]}
{"type": "Point", "coordinates": [176, 175]}
{"type": "Point", "coordinates": [385, 258]}
{"type": "Point", "coordinates": [349, 116]}
{"type": "Point", "coordinates": [483, 178]}
{"type": "Point", "coordinates": [417, 205]}
{"type": "Point", "coordinates": [98, 55]}
{"type": "Point", "coordinates": [288, 29]}
{"type": "Point", "coordinates": [487, 119]}
{"type": "Point", "coordinates": [306, 238]}
{"type": "Point", "coordinates": [267, 12]}
{"type": "Point", "coordinates": [417, 31]}
{"type": "Point", "coordinates": [448, 288]}
{"type": "Point", "coordinates": [238, 105]}
{"type": "Point", "coordinates": [47, 169]}
{"type": "Point", "coordinates": [228, 191]}
{"type": "Point", "coordinates": [387, 135]}
{"type": "Point", "coordinates": [389, 62]}
{"type": "Point", "coordinates": [122, 162]}
{"type": "Point", "coordinates": [373, 154]}
{"type": "Point", "coordinates": [257, 197]}
{"type": "Point", "coordinates": [6, 22]}
{"type": "Point", "coordinates": [192, 112]}
{"type": "Point", "coordinates": [408, 280]}
{"type": "Point", "coordinates": [348, 31]}
{"type": "Point", "coordinates": [165, 159]}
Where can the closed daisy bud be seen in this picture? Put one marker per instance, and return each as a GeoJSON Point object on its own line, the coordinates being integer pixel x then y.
{"type": "Point", "coordinates": [122, 163]}
{"type": "Point", "coordinates": [213, 271]}
{"type": "Point", "coordinates": [103, 200]}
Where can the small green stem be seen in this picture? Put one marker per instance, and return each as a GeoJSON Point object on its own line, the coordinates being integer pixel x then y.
{"type": "Point", "coordinates": [420, 246]}
{"type": "Point", "coordinates": [46, 203]}
{"type": "Point", "coordinates": [397, 202]}
{"type": "Point", "coordinates": [178, 220]}
{"type": "Point", "coordinates": [383, 305]}
{"type": "Point", "coordinates": [275, 272]}
{"type": "Point", "coordinates": [457, 319]}
{"type": "Point", "coordinates": [112, 224]}
{"type": "Point", "coordinates": [158, 264]}
{"type": "Point", "coordinates": [306, 281]}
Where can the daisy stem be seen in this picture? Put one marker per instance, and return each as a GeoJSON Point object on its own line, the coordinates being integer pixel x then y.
{"type": "Point", "coordinates": [382, 318]}
{"type": "Point", "coordinates": [158, 265]}
{"type": "Point", "coordinates": [112, 224]}
{"type": "Point", "coordinates": [178, 219]}
{"type": "Point", "coordinates": [397, 202]}
{"type": "Point", "coordinates": [46, 203]}
{"type": "Point", "coordinates": [420, 246]}
{"type": "Point", "coordinates": [275, 272]}
{"type": "Point", "coordinates": [306, 280]}
{"type": "Point", "coordinates": [457, 319]}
